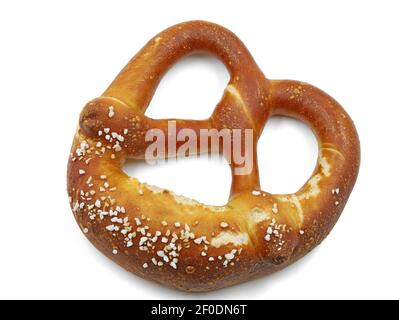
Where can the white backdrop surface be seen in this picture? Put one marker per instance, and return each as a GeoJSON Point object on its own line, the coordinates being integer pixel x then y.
{"type": "Point", "coordinates": [57, 55]}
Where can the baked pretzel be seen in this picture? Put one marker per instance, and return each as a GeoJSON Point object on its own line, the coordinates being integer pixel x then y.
{"type": "Point", "coordinates": [180, 242]}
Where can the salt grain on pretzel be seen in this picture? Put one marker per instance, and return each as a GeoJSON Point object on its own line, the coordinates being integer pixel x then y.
{"type": "Point", "coordinates": [180, 242]}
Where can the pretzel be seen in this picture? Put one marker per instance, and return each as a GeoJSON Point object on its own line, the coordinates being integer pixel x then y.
{"type": "Point", "coordinates": [180, 242]}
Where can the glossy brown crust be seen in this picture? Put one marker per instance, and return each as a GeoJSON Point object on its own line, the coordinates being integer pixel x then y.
{"type": "Point", "coordinates": [177, 241]}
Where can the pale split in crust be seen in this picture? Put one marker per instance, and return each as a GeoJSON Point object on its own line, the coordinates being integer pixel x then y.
{"type": "Point", "coordinates": [180, 242]}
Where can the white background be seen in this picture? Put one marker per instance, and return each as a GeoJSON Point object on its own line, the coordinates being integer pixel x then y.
{"type": "Point", "coordinates": [55, 56]}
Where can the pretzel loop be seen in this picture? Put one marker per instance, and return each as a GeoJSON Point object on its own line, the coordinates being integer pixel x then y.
{"type": "Point", "coordinates": [137, 82]}
{"type": "Point", "coordinates": [178, 241]}
{"type": "Point", "coordinates": [244, 104]}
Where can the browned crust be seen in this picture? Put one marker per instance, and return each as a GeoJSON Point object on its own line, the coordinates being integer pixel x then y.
{"type": "Point", "coordinates": [197, 247]}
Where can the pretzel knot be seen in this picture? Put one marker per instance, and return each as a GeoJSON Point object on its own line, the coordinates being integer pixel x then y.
{"type": "Point", "coordinates": [180, 242]}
